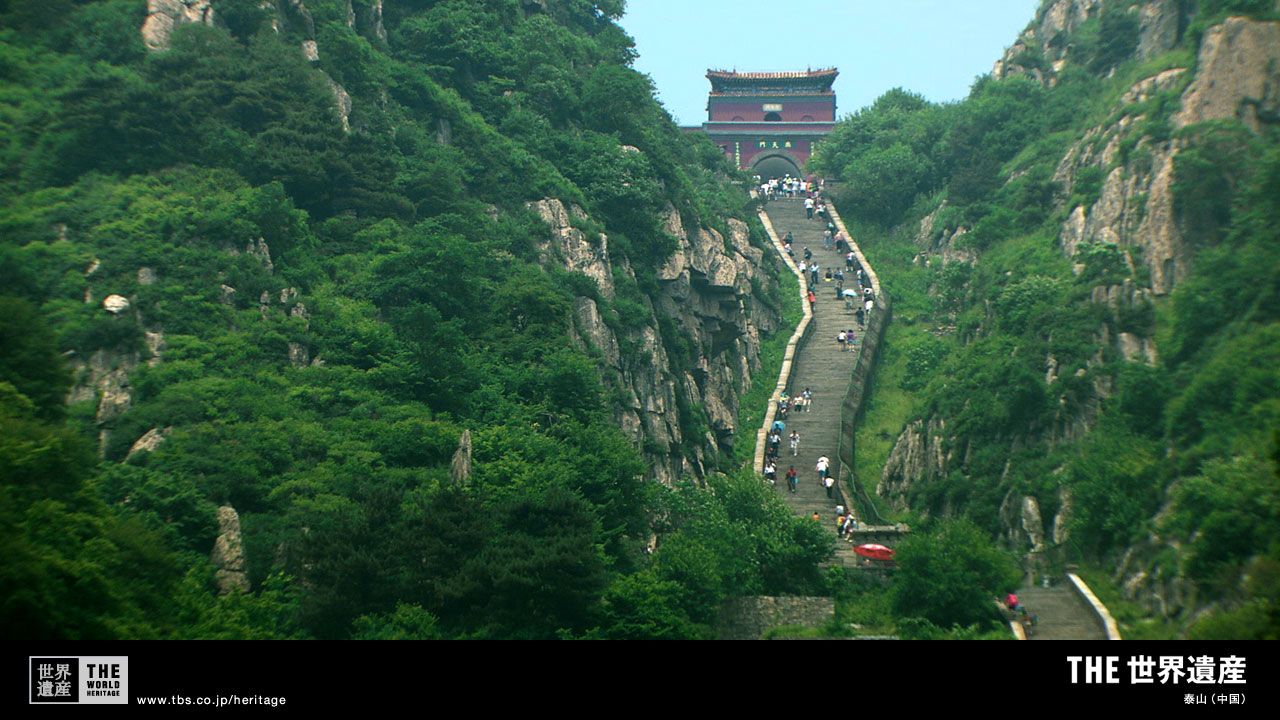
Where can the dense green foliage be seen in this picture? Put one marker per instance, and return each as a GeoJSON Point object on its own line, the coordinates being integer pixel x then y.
{"type": "Point", "coordinates": [338, 299]}
{"type": "Point", "coordinates": [948, 576]}
{"type": "Point", "coordinates": [1008, 347]}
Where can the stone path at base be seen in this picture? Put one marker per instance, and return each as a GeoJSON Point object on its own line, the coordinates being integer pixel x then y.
{"type": "Point", "coordinates": [1060, 613]}
{"type": "Point", "coordinates": [821, 367]}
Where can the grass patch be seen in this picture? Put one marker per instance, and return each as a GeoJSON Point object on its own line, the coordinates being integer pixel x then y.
{"type": "Point", "coordinates": [888, 406]}
{"type": "Point", "coordinates": [795, 632]}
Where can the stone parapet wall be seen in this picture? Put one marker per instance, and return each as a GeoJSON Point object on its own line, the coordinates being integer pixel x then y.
{"type": "Point", "coordinates": [1081, 589]}
{"type": "Point", "coordinates": [855, 398]}
{"type": "Point", "coordinates": [797, 338]}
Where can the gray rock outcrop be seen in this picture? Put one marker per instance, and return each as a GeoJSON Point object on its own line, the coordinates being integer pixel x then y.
{"type": "Point", "coordinates": [341, 101]}
{"type": "Point", "coordinates": [460, 465]}
{"type": "Point", "coordinates": [258, 248]}
{"type": "Point", "coordinates": [1047, 34]}
{"type": "Point", "coordinates": [922, 454]}
{"type": "Point", "coordinates": [104, 376]}
{"type": "Point", "coordinates": [228, 554]}
{"type": "Point", "coordinates": [1022, 522]}
{"type": "Point", "coordinates": [155, 345]}
{"type": "Point", "coordinates": [299, 356]}
{"type": "Point", "coordinates": [164, 15]}
{"type": "Point", "coordinates": [148, 442]}
{"type": "Point", "coordinates": [1161, 24]}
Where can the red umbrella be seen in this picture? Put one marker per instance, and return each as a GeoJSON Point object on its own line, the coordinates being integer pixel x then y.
{"type": "Point", "coordinates": [875, 552]}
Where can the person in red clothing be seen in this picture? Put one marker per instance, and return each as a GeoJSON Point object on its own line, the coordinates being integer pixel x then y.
{"type": "Point", "coordinates": [813, 300]}
{"type": "Point", "coordinates": [1011, 602]}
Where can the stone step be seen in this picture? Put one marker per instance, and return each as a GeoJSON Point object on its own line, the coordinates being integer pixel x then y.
{"type": "Point", "coordinates": [1060, 614]}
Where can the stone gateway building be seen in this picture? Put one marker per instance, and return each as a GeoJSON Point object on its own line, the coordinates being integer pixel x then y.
{"type": "Point", "coordinates": [770, 122]}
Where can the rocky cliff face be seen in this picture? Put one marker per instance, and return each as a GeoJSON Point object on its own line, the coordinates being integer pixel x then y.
{"type": "Point", "coordinates": [1236, 77]}
{"type": "Point", "coordinates": [1160, 26]}
{"type": "Point", "coordinates": [706, 290]}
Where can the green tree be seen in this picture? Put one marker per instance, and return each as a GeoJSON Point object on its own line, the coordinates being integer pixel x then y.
{"type": "Point", "coordinates": [29, 358]}
{"type": "Point", "coordinates": [1117, 38]}
{"type": "Point", "coordinates": [408, 622]}
{"type": "Point", "coordinates": [644, 607]}
{"type": "Point", "coordinates": [951, 575]}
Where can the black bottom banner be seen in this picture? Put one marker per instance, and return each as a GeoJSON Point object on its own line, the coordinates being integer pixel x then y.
{"type": "Point", "coordinates": [280, 677]}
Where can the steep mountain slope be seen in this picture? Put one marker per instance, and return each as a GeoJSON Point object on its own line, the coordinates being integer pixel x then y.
{"type": "Point", "coordinates": [384, 312]}
{"type": "Point", "coordinates": [1083, 266]}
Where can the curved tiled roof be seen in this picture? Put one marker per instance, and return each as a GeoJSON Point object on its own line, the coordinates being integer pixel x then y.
{"type": "Point", "coordinates": [807, 82]}
{"type": "Point", "coordinates": [832, 72]}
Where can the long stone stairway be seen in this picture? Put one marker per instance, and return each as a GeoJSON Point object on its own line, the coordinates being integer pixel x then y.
{"type": "Point", "coordinates": [821, 367]}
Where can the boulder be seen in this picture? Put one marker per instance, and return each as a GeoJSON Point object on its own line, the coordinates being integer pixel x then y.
{"type": "Point", "coordinates": [115, 304]}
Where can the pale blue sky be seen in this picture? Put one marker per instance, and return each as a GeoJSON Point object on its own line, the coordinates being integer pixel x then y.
{"type": "Point", "coordinates": [933, 47]}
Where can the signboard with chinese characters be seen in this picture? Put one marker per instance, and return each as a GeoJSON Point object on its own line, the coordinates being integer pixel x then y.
{"type": "Point", "coordinates": [772, 107]}
{"type": "Point", "coordinates": [775, 144]}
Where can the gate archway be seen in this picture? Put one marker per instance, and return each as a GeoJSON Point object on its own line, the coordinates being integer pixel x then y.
{"type": "Point", "coordinates": [775, 164]}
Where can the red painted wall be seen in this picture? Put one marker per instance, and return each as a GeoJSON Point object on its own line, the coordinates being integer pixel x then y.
{"type": "Point", "coordinates": [800, 149]}
{"type": "Point", "coordinates": [820, 111]}
{"type": "Point", "coordinates": [770, 128]}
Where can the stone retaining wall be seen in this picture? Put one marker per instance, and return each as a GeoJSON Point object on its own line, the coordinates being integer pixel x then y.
{"type": "Point", "coordinates": [747, 618]}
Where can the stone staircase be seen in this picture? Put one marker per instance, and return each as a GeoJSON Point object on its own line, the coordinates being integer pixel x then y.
{"type": "Point", "coordinates": [821, 367]}
{"type": "Point", "coordinates": [1061, 614]}
{"type": "Point", "coordinates": [826, 371]}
